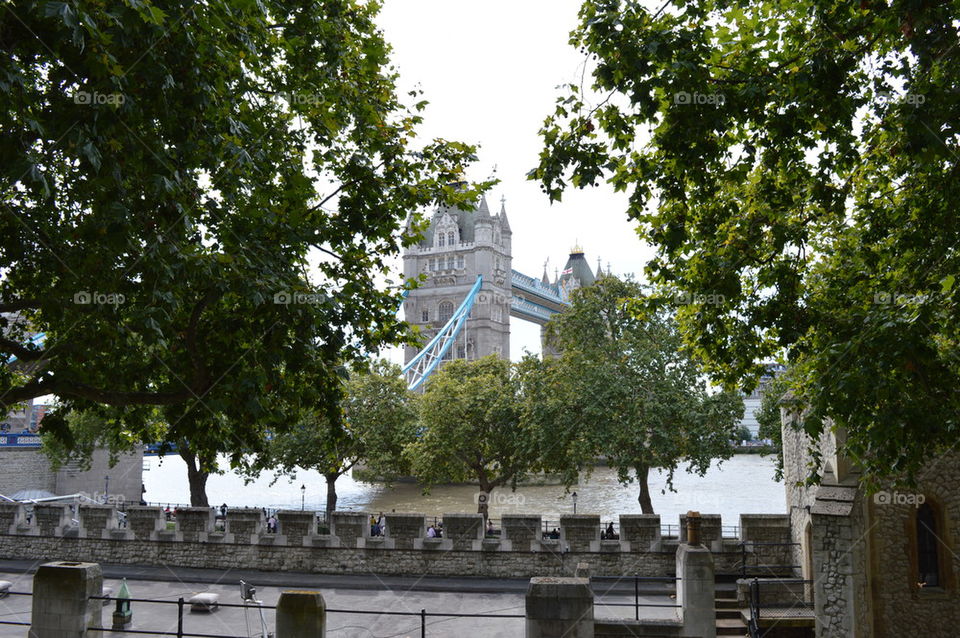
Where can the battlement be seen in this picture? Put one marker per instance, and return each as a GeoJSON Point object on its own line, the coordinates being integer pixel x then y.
{"type": "Point", "coordinates": [519, 547]}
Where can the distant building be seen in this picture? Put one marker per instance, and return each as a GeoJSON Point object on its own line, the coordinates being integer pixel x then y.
{"type": "Point", "coordinates": [752, 401]}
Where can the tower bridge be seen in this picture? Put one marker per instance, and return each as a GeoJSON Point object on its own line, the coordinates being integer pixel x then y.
{"type": "Point", "coordinates": [471, 291]}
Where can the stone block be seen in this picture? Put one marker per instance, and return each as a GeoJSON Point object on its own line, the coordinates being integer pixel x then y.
{"type": "Point", "coordinates": [580, 532]}
{"type": "Point", "coordinates": [50, 519]}
{"type": "Point", "coordinates": [244, 525]}
{"type": "Point", "coordinates": [62, 607]}
{"type": "Point", "coordinates": [520, 532]}
{"type": "Point", "coordinates": [11, 517]}
{"type": "Point", "coordinates": [194, 523]}
{"type": "Point", "coordinates": [144, 522]}
{"type": "Point", "coordinates": [696, 590]}
{"type": "Point", "coordinates": [559, 607]}
{"type": "Point", "coordinates": [465, 531]}
{"type": "Point", "coordinates": [296, 528]}
{"type": "Point", "coordinates": [640, 532]}
{"type": "Point", "coordinates": [301, 614]}
{"type": "Point", "coordinates": [96, 521]}
{"type": "Point", "coordinates": [403, 529]}
{"type": "Point", "coordinates": [351, 528]}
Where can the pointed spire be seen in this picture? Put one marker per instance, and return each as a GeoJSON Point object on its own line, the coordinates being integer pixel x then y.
{"type": "Point", "coordinates": [599, 269]}
{"type": "Point", "coordinates": [483, 210]}
{"type": "Point", "coordinates": [545, 280]}
{"type": "Point", "coordinates": [504, 224]}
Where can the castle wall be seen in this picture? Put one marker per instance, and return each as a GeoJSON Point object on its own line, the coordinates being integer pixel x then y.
{"type": "Point", "coordinates": [25, 469]}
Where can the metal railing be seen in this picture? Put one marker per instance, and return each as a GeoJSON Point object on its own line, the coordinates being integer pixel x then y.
{"type": "Point", "coordinates": [756, 605]}
{"type": "Point", "coordinates": [636, 604]}
{"type": "Point", "coordinates": [14, 613]}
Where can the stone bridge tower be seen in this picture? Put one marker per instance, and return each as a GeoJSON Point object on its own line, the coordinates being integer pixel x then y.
{"type": "Point", "coordinates": [457, 247]}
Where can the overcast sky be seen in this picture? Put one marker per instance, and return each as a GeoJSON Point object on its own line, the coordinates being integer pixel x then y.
{"type": "Point", "coordinates": [490, 71]}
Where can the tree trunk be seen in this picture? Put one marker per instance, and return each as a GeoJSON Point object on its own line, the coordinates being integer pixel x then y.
{"type": "Point", "coordinates": [483, 505]}
{"type": "Point", "coordinates": [646, 506]}
{"type": "Point", "coordinates": [196, 476]}
{"type": "Point", "coordinates": [331, 491]}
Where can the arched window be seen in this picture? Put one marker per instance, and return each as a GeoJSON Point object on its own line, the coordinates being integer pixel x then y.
{"type": "Point", "coordinates": [450, 239]}
{"type": "Point", "coordinates": [460, 262]}
{"type": "Point", "coordinates": [425, 316]}
{"type": "Point", "coordinates": [928, 536]}
{"type": "Point", "coordinates": [440, 238]}
{"type": "Point", "coordinates": [444, 311]}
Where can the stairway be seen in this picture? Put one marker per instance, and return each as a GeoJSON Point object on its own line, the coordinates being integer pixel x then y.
{"type": "Point", "coordinates": [729, 619]}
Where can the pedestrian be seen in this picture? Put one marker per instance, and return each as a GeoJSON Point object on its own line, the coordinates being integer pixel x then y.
{"type": "Point", "coordinates": [272, 524]}
{"type": "Point", "coordinates": [374, 529]}
{"type": "Point", "coordinates": [611, 535]}
{"type": "Point", "coordinates": [223, 511]}
{"type": "Point", "coordinates": [381, 524]}
{"type": "Point", "coordinates": [431, 532]}
{"type": "Point", "coordinates": [490, 528]}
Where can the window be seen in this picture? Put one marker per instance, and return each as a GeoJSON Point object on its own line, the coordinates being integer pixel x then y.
{"type": "Point", "coordinates": [440, 238]}
{"type": "Point", "coordinates": [497, 315]}
{"type": "Point", "coordinates": [460, 262]}
{"type": "Point", "coordinates": [433, 264]}
{"type": "Point", "coordinates": [928, 563]}
{"type": "Point", "coordinates": [425, 316]}
{"type": "Point", "coordinates": [444, 311]}
{"type": "Point", "coordinates": [460, 352]}
{"type": "Point", "coordinates": [450, 239]}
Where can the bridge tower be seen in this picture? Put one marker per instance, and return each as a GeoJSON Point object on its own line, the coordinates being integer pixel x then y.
{"type": "Point", "coordinates": [458, 246]}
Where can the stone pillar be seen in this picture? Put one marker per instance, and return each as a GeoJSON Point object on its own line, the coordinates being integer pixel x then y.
{"type": "Point", "coordinates": [301, 614]}
{"type": "Point", "coordinates": [404, 529]}
{"type": "Point", "coordinates": [11, 515]}
{"type": "Point", "coordinates": [640, 532]}
{"type": "Point", "coordinates": [520, 532]}
{"type": "Point", "coordinates": [696, 591]}
{"type": "Point", "coordinates": [296, 528]}
{"type": "Point", "coordinates": [559, 608]}
{"type": "Point", "coordinates": [580, 532]}
{"type": "Point", "coordinates": [51, 520]}
{"type": "Point", "coordinates": [244, 525]}
{"type": "Point", "coordinates": [351, 528]}
{"type": "Point", "coordinates": [465, 531]}
{"type": "Point", "coordinates": [61, 600]}
{"type": "Point", "coordinates": [195, 523]}
{"type": "Point", "coordinates": [96, 521]}
{"type": "Point", "coordinates": [144, 521]}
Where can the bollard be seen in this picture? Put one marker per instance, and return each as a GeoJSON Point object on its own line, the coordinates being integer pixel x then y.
{"type": "Point", "coordinates": [301, 614]}
{"type": "Point", "coordinates": [696, 589]}
{"type": "Point", "coordinates": [62, 607]}
{"type": "Point", "coordinates": [559, 608]}
{"type": "Point", "coordinates": [123, 614]}
{"type": "Point", "coordinates": [693, 528]}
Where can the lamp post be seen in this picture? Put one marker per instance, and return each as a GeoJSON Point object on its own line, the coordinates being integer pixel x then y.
{"type": "Point", "coordinates": [574, 497]}
{"type": "Point", "coordinates": [106, 489]}
{"type": "Point", "coordinates": [303, 494]}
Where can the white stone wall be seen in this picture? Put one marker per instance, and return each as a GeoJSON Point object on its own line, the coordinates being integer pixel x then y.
{"type": "Point", "coordinates": [25, 469]}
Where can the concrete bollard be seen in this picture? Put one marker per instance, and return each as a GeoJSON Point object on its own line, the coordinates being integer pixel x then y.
{"type": "Point", "coordinates": [301, 614]}
{"type": "Point", "coordinates": [696, 590]}
{"type": "Point", "coordinates": [61, 600]}
{"type": "Point", "coordinates": [559, 608]}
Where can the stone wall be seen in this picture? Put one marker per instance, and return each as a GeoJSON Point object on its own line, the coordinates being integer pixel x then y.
{"type": "Point", "coordinates": [195, 543]}
{"type": "Point", "coordinates": [25, 469]}
{"type": "Point", "coordinates": [29, 469]}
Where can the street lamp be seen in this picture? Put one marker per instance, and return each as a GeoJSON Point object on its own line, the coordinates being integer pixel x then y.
{"type": "Point", "coordinates": [574, 497]}
{"type": "Point", "coordinates": [106, 489]}
{"type": "Point", "coordinates": [303, 494]}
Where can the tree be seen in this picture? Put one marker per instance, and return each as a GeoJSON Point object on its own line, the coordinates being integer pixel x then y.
{"type": "Point", "coordinates": [795, 165]}
{"type": "Point", "coordinates": [471, 428]}
{"type": "Point", "coordinates": [634, 396]}
{"type": "Point", "coordinates": [199, 202]}
{"type": "Point", "coordinates": [375, 418]}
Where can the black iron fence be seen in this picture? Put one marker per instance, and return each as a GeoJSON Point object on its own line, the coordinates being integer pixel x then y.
{"type": "Point", "coordinates": [778, 599]}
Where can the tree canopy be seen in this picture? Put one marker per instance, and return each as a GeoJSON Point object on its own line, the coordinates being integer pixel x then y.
{"type": "Point", "coordinates": [795, 165]}
{"type": "Point", "coordinates": [172, 171]}
{"type": "Point", "coordinates": [625, 390]}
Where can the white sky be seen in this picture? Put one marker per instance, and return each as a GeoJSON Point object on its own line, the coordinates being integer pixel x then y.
{"type": "Point", "coordinates": [490, 71]}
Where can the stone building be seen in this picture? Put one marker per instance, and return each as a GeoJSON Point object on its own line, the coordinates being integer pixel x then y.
{"type": "Point", "coordinates": [883, 565]}
{"type": "Point", "coordinates": [458, 246]}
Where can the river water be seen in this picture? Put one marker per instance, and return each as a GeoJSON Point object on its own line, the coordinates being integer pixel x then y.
{"type": "Point", "coordinates": [741, 485]}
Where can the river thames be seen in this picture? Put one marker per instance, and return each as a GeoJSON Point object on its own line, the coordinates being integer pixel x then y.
{"type": "Point", "coordinates": [741, 485]}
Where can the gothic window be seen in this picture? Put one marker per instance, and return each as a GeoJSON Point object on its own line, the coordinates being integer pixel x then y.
{"type": "Point", "coordinates": [444, 311]}
{"type": "Point", "coordinates": [460, 352]}
{"type": "Point", "coordinates": [450, 238]}
{"type": "Point", "coordinates": [440, 239]}
{"type": "Point", "coordinates": [928, 537]}
{"type": "Point", "coordinates": [425, 315]}
{"type": "Point", "coordinates": [498, 315]}
{"type": "Point", "coordinates": [460, 262]}
{"type": "Point", "coordinates": [498, 263]}
{"type": "Point", "coordinates": [433, 264]}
